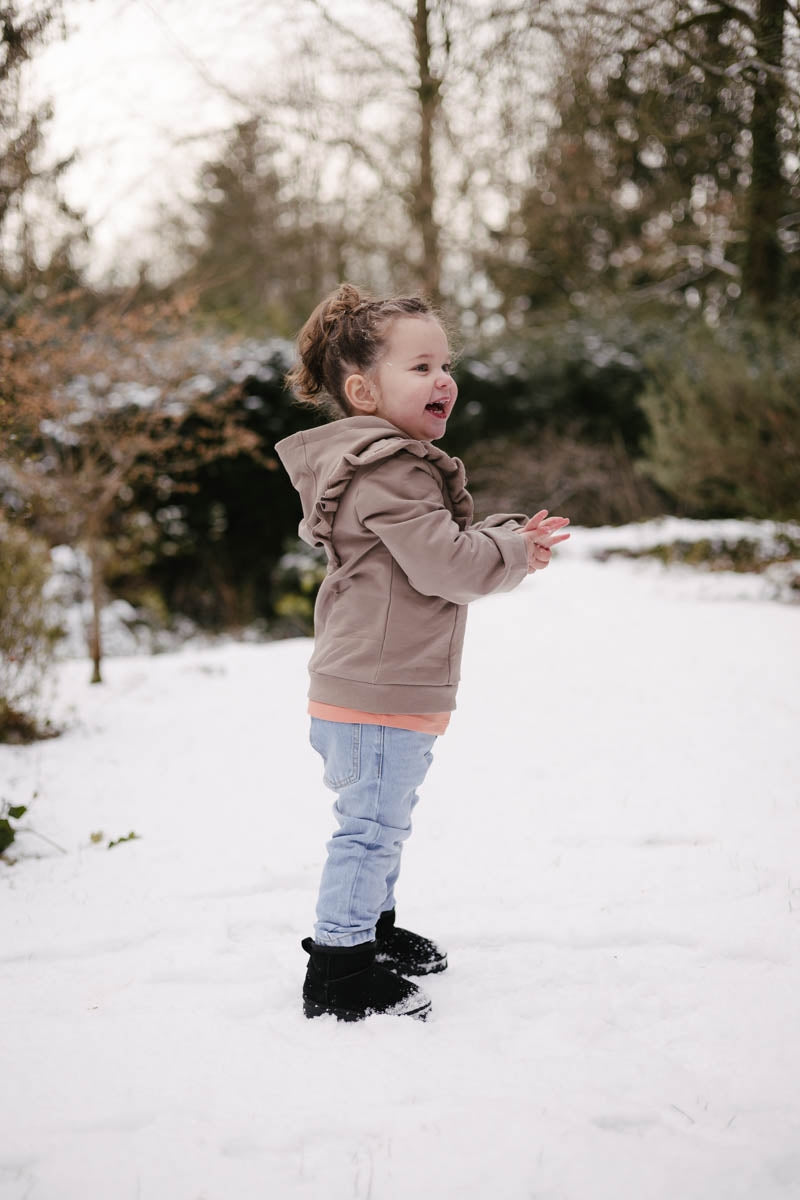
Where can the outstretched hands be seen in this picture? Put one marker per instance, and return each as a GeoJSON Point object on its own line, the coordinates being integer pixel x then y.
{"type": "Point", "coordinates": [540, 533]}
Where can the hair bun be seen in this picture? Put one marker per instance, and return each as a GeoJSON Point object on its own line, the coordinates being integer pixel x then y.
{"type": "Point", "coordinates": [346, 301]}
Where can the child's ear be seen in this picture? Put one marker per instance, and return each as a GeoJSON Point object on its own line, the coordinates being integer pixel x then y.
{"type": "Point", "coordinates": [358, 390]}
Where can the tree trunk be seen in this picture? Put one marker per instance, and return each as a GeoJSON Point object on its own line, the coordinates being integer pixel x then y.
{"type": "Point", "coordinates": [95, 637]}
{"type": "Point", "coordinates": [428, 91]}
{"type": "Point", "coordinates": [762, 268]}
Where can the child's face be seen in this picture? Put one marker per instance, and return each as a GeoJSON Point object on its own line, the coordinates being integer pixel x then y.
{"type": "Point", "coordinates": [415, 390]}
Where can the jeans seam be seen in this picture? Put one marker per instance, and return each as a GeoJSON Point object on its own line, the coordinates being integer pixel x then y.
{"type": "Point", "coordinates": [381, 751]}
{"type": "Point", "coordinates": [355, 765]}
{"type": "Point", "coordinates": [376, 809]}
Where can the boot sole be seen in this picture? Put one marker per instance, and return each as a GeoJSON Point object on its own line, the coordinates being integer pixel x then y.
{"type": "Point", "coordinates": [312, 1009]}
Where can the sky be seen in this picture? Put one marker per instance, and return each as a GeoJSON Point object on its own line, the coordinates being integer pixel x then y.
{"type": "Point", "coordinates": [139, 90]}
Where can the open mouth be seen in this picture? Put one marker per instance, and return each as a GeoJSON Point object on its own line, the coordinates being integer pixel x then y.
{"type": "Point", "coordinates": [437, 407]}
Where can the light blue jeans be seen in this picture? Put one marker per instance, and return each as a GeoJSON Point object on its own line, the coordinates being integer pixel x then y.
{"type": "Point", "coordinates": [375, 771]}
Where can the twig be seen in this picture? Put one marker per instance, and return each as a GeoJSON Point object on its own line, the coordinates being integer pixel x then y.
{"type": "Point", "coordinates": [27, 829]}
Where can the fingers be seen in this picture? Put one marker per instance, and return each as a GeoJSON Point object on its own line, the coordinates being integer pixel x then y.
{"type": "Point", "coordinates": [541, 533]}
{"type": "Point", "coordinates": [541, 522]}
{"type": "Point", "coordinates": [549, 539]}
{"type": "Point", "coordinates": [539, 545]}
{"type": "Point", "coordinates": [533, 522]}
{"type": "Point", "coordinates": [538, 559]}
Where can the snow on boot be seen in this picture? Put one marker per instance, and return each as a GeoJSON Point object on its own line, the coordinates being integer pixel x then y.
{"type": "Point", "coordinates": [345, 982]}
{"type": "Point", "coordinates": [400, 950]}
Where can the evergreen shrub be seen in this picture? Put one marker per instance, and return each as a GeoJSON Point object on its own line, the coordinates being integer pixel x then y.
{"type": "Point", "coordinates": [28, 634]}
{"type": "Point", "coordinates": [584, 373]}
{"type": "Point", "coordinates": [295, 583]}
{"type": "Point", "coordinates": [724, 419]}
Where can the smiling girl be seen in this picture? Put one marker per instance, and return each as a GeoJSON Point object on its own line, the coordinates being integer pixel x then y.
{"type": "Point", "coordinates": [405, 558]}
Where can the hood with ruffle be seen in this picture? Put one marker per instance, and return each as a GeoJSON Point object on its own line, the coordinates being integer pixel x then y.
{"type": "Point", "coordinates": [321, 462]}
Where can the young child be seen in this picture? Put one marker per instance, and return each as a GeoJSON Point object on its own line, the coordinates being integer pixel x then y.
{"type": "Point", "coordinates": [393, 514]}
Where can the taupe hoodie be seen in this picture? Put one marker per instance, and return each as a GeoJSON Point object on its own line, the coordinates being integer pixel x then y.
{"type": "Point", "coordinates": [404, 561]}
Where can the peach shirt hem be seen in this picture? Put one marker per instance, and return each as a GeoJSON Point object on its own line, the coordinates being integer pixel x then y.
{"type": "Point", "coordinates": [420, 722]}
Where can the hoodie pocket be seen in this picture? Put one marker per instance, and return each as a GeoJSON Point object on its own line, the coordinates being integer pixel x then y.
{"type": "Point", "coordinates": [421, 641]}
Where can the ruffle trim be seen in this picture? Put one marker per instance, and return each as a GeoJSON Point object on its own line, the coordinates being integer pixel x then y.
{"type": "Point", "coordinates": [318, 528]}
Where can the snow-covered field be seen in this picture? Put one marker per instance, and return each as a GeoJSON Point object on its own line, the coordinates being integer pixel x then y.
{"type": "Point", "coordinates": [608, 844]}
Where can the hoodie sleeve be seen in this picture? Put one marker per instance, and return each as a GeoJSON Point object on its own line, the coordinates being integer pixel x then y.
{"type": "Point", "coordinates": [501, 520]}
{"type": "Point", "coordinates": [401, 503]}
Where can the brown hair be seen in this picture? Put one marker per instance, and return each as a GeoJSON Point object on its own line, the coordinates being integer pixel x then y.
{"type": "Point", "coordinates": [343, 335]}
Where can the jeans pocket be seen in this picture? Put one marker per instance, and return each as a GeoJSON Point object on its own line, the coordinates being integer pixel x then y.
{"type": "Point", "coordinates": [339, 744]}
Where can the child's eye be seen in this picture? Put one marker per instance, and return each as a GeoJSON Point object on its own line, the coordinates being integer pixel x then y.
{"type": "Point", "coordinates": [421, 367]}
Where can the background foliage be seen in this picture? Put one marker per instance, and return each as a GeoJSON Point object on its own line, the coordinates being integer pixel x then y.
{"type": "Point", "coordinates": [604, 199]}
{"type": "Point", "coordinates": [28, 633]}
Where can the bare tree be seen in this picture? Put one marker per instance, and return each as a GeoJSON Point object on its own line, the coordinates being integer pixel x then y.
{"type": "Point", "coordinates": [763, 261]}
{"type": "Point", "coordinates": [760, 70]}
{"type": "Point", "coordinates": [416, 114]}
{"type": "Point", "coordinates": [29, 250]}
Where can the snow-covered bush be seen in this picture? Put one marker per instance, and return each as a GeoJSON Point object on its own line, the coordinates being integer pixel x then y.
{"type": "Point", "coordinates": [584, 373]}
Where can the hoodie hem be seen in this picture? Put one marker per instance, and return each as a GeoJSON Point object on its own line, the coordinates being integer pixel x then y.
{"type": "Point", "coordinates": [382, 697]}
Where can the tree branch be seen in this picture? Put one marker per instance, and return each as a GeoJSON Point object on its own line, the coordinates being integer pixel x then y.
{"type": "Point", "coordinates": [388, 64]}
{"type": "Point", "coordinates": [197, 64]}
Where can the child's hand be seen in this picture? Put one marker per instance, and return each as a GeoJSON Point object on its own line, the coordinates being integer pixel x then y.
{"type": "Point", "coordinates": [540, 534]}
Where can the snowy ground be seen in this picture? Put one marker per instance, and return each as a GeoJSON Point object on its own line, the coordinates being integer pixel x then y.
{"type": "Point", "coordinates": [607, 845]}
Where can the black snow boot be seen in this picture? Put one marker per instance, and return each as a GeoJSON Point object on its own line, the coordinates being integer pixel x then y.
{"type": "Point", "coordinates": [401, 950]}
{"type": "Point", "coordinates": [345, 982]}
